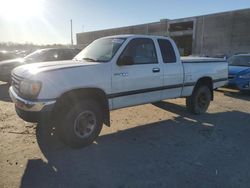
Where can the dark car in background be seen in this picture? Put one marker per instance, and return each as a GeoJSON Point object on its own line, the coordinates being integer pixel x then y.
{"type": "Point", "coordinates": [239, 72]}
{"type": "Point", "coordinates": [5, 55]}
{"type": "Point", "coordinates": [42, 55]}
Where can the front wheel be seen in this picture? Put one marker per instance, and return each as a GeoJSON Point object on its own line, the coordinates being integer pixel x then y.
{"type": "Point", "coordinates": [199, 101]}
{"type": "Point", "coordinates": [81, 123]}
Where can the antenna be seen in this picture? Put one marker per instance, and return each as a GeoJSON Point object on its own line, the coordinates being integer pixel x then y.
{"type": "Point", "coordinates": [71, 32]}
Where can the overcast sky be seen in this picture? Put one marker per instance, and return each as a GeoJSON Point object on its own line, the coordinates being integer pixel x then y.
{"type": "Point", "coordinates": [48, 21]}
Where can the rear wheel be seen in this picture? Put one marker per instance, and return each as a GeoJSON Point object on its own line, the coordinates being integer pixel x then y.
{"type": "Point", "coordinates": [199, 101]}
{"type": "Point", "coordinates": [81, 123]}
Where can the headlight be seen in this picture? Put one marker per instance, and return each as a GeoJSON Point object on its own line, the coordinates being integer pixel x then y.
{"type": "Point", "coordinates": [245, 76]}
{"type": "Point", "coordinates": [30, 88]}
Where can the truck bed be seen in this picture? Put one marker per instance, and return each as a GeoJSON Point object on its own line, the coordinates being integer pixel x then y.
{"type": "Point", "coordinates": [215, 68]}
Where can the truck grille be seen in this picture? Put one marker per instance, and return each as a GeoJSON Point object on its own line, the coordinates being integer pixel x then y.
{"type": "Point", "coordinates": [15, 82]}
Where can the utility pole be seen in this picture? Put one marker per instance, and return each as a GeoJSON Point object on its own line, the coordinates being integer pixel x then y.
{"type": "Point", "coordinates": [71, 32]}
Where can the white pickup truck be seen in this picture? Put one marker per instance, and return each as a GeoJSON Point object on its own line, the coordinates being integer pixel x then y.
{"type": "Point", "coordinates": [111, 73]}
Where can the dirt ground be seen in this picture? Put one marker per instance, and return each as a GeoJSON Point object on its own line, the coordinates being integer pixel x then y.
{"type": "Point", "coordinates": [159, 145]}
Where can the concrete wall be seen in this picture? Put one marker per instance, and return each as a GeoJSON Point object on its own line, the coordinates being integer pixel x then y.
{"type": "Point", "coordinates": [225, 33]}
{"type": "Point", "coordinates": [215, 34]}
{"type": "Point", "coordinates": [157, 28]}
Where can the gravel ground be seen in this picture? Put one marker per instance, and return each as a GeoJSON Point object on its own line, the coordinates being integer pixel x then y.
{"type": "Point", "coordinates": [159, 145]}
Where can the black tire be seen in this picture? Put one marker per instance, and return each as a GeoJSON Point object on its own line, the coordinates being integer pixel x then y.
{"type": "Point", "coordinates": [76, 119]}
{"type": "Point", "coordinates": [199, 101]}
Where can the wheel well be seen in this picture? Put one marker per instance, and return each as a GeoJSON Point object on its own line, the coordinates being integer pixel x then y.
{"type": "Point", "coordinates": [206, 81]}
{"type": "Point", "coordinates": [75, 95]}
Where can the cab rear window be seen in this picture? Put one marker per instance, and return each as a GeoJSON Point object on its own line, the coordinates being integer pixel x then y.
{"type": "Point", "coordinates": [167, 51]}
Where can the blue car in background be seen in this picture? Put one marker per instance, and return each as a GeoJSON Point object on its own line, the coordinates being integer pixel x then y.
{"type": "Point", "coordinates": [239, 72]}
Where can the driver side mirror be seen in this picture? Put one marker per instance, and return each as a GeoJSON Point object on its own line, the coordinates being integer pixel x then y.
{"type": "Point", "coordinates": [125, 60]}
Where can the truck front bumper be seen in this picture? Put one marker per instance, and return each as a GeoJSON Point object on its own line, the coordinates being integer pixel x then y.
{"type": "Point", "coordinates": [32, 111]}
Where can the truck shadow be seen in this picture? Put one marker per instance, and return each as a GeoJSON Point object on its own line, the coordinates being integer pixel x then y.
{"type": "Point", "coordinates": [4, 92]}
{"type": "Point", "coordinates": [185, 151]}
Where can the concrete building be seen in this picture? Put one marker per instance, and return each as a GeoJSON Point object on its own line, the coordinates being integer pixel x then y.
{"type": "Point", "coordinates": [215, 34]}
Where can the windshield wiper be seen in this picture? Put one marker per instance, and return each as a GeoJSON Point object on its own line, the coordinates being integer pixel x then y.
{"type": "Point", "coordinates": [90, 59]}
{"type": "Point", "coordinates": [75, 59]}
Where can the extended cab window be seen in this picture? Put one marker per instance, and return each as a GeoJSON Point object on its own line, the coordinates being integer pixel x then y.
{"type": "Point", "coordinates": [141, 50]}
{"type": "Point", "coordinates": [167, 51]}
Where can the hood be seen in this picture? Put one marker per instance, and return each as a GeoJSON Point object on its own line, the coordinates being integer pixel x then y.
{"type": "Point", "coordinates": [233, 70]}
{"type": "Point", "coordinates": [32, 69]}
{"type": "Point", "coordinates": [12, 62]}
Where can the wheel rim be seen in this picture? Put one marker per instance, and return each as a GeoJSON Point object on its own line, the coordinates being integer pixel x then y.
{"type": "Point", "coordinates": [84, 124]}
{"type": "Point", "coordinates": [203, 100]}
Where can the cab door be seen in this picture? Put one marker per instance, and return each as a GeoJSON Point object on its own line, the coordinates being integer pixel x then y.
{"type": "Point", "coordinates": [173, 69]}
{"type": "Point", "coordinates": [137, 76]}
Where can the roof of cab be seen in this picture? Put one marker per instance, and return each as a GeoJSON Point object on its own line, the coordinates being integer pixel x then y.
{"type": "Point", "coordinates": [136, 36]}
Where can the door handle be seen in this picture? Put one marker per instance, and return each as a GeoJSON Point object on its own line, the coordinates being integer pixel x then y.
{"type": "Point", "coordinates": [156, 69]}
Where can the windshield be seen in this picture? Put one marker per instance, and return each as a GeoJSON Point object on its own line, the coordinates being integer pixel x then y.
{"type": "Point", "coordinates": [101, 50]}
{"type": "Point", "coordinates": [36, 55]}
{"type": "Point", "coordinates": [239, 61]}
